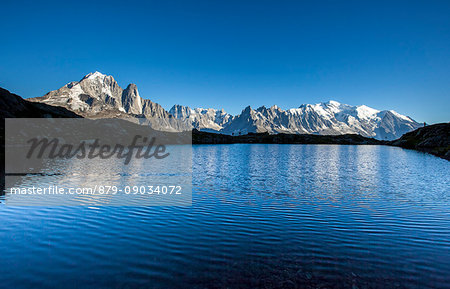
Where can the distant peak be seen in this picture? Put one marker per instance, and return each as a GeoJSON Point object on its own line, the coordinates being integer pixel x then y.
{"type": "Point", "coordinates": [366, 108]}
{"type": "Point", "coordinates": [94, 75]}
{"type": "Point", "coordinates": [304, 105]}
{"type": "Point", "coordinates": [275, 107]}
{"type": "Point", "coordinates": [131, 86]}
{"type": "Point", "coordinates": [332, 102]}
{"type": "Point", "coordinates": [179, 106]}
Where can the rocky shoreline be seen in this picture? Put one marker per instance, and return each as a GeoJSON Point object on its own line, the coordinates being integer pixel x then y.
{"type": "Point", "coordinates": [433, 139]}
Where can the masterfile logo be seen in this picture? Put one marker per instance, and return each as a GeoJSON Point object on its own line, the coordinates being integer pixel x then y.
{"type": "Point", "coordinates": [103, 162]}
{"type": "Point", "coordinates": [140, 147]}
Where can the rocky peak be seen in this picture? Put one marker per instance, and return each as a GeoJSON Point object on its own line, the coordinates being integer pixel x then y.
{"type": "Point", "coordinates": [180, 111]}
{"type": "Point", "coordinates": [131, 101]}
{"type": "Point", "coordinates": [93, 75]}
{"type": "Point", "coordinates": [247, 110]}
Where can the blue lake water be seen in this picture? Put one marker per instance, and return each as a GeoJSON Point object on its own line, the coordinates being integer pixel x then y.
{"type": "Point", "coordinates": [262, 216]}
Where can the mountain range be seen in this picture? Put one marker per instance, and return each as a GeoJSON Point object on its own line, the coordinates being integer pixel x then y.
{"type": "Point", "coordinates": [99, 96]}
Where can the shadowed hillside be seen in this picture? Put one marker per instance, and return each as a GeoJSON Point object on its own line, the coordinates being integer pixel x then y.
{"type": "Point", "coordinates": [12, 106]}
{"type": "Point", "coordinates": [433, 139]}
{"type": "Point", "coordinates": [199, 137]}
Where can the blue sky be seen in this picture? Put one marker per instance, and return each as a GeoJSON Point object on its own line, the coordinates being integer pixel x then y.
{"type": "Point", "coordinates": [230, 54]}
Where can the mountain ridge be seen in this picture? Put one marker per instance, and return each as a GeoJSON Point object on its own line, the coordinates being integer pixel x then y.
{"type": "Point", "coordinates": [98, 95]}
{"type": "Point", "coordinates": [326, 118]}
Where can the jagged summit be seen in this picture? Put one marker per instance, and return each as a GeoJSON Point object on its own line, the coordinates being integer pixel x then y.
{"type": "Point", "coordinates": [201, 118]}
{"type": "Point", "coordinates": [332, 102]}
{"type": "Point", "coordinates": [323, 118]}
{"type": "Point", "coordinates": [93, 75]}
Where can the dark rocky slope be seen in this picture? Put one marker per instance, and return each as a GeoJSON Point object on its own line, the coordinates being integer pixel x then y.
{"type": "Point", "coordinates": [433, 139]}
{"type": "Point", "coordinates": [13, 106]}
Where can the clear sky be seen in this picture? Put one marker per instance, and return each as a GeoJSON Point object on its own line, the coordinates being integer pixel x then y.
{"type": "Point", "coordinates": [230, 54]}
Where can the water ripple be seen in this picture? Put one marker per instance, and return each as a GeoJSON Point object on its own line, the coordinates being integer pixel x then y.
{"type": "Point", "coordinates": [267, 216]}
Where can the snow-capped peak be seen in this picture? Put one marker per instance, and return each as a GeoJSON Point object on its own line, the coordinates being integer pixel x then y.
{"type": "Point", "coordinates": [333, 103]}
{"type": "Point", "coordinates": [94, 75]}
{"type": "Point", "coordinates": [400, 115]}
{"type": "Point", "coordinates": [366, 112]}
